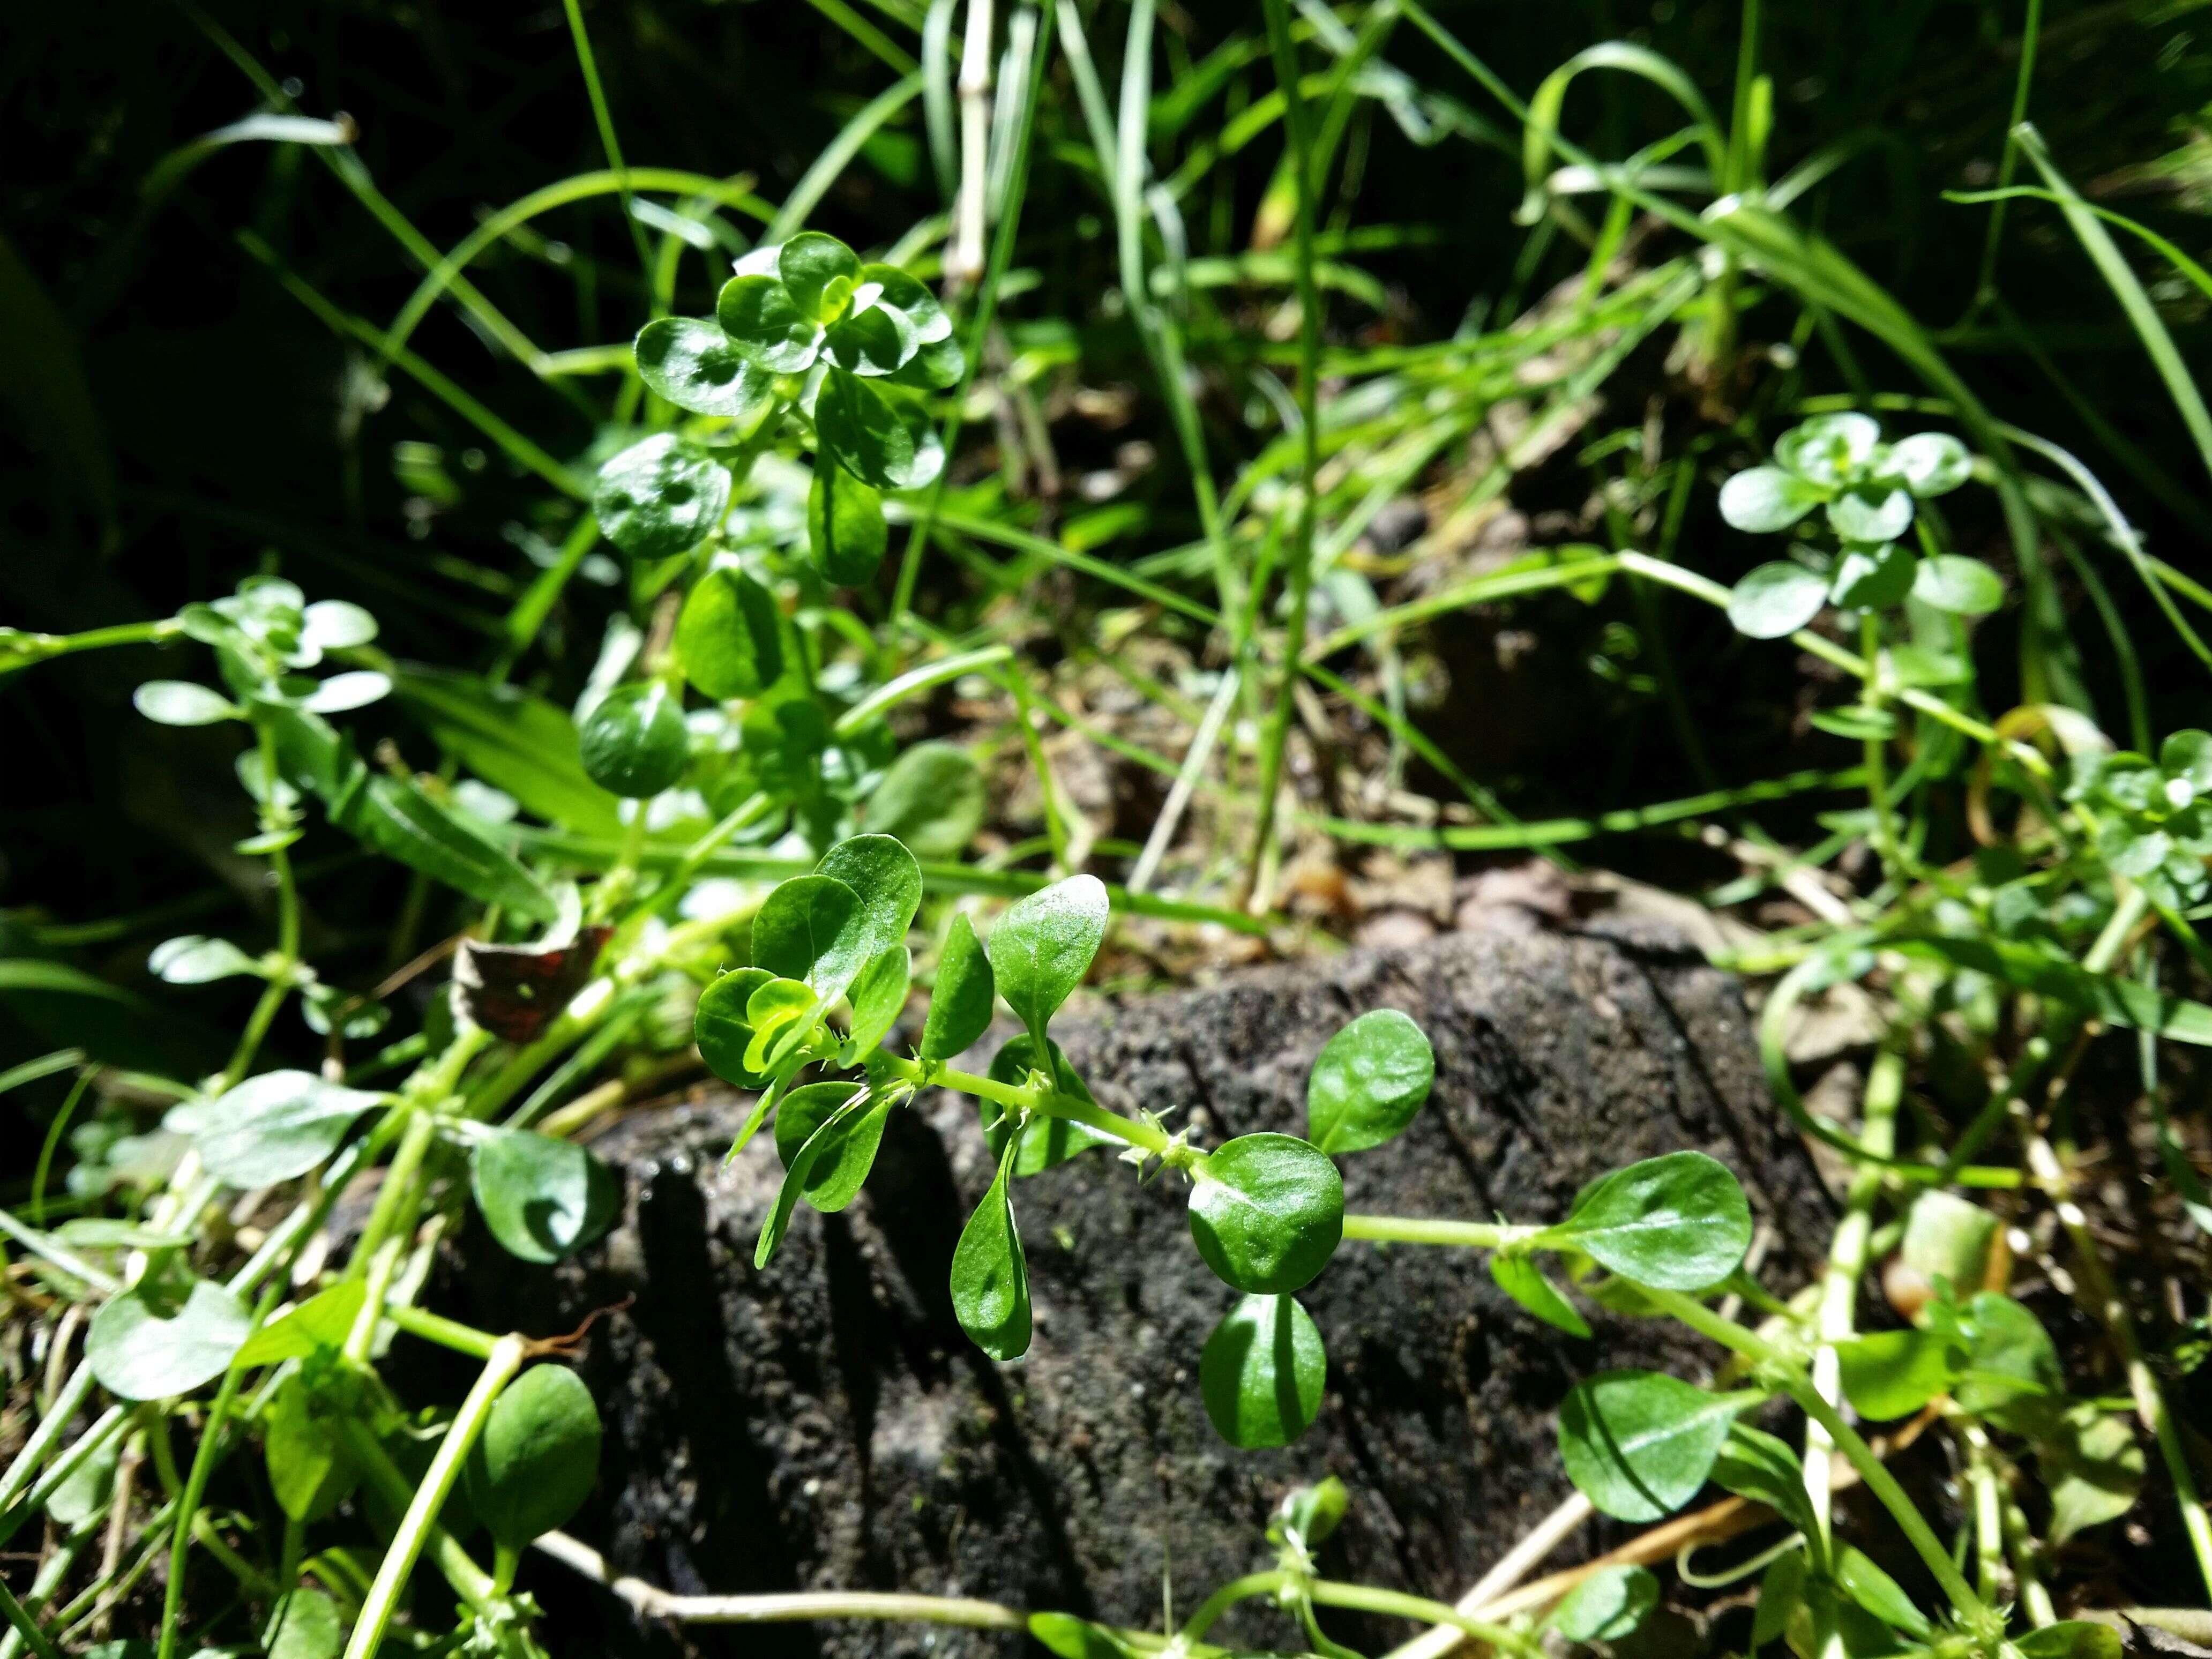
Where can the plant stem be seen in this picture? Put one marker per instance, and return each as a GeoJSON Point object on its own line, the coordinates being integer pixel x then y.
{"type": "Point", "coordinates": [437, 1481]}
{"type": "Point", "coordinates": [1838, 1315]}
{"type": "Point", "coordinates": [1302, 535]}
{"type": "Point", "coordinates": [1989, 1511]}
{"type": "Point", "coordinates": [604, 118]}
{"type": "Point", "coordinates": [1367, 1600]}
{"type": "Point", "coordinates": [1208, 1613]}
{"type": "Point", "coordinates": [446, 1333]}
{"type": "Point", "coordinates": [19, 1616]}
{"type": "Point", "coordinates": [650, 1601]}
{"type": "Point", "coordinates": [470, 1582]}
{"type": "Point", "coordinates": [1786, 1372]}
{"type": "Point", "coordinates": [28, 1507]}
{"type": "Point", "coordinates": [2106, 1300]}
{"type": "Point", "coordinates": [1051, 1102]}
{"type": "Point", "coordinates": [1421, 1230]}
{"type": "Point", "coordinates": [392, 1197]}
{"type": "Point", "coordinates": [203, 1462]}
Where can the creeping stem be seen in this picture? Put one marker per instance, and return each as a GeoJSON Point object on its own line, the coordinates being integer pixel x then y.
{"type": "Point", "coordinates": [1018, 1097]}
{"type": "Point", "coordinates": [414, 1526]}
{"type": "Point", "coordinates": [1787, 1372]}
{"type": "Point", "coordinates": [1418, 1230]}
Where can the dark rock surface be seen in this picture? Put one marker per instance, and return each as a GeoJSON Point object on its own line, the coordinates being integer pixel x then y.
{"type": "Point", "coordinates": [823, 1425]}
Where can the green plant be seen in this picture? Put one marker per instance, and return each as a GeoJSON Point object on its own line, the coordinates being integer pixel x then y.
{"type": "Point", "coordinates": [648, 768]}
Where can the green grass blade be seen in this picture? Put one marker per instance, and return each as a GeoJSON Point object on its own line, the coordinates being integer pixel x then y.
{"type": "Point", "coordinates": [2128, 289]}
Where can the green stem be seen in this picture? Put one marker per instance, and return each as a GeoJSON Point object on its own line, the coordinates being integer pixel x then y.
{"type": "Point", "coordinates": [1302, 535]}
{"type": "Point", "coordinates": [383, 1263]}
{"type": "Point", "coordinates": [445, 1333]}
{"type": "Point", "coordinates": [392, 1197]}
{"type": "Point", "coordinates": [2151, 1407]}
{"type": "Point", "coordinates": [26, 1626]}
{"type": "Point", "coordinates": [58, 1254]}
{"type": "Point", "coordinates": [986, 313]}
{"type": "Point", "coordinates": [33, 1502]}
{"type": "Point", "coordinates": [1785, 1370]}
{"type": "Point", "coordinates": [257, 1028]}
{"type": "Point", "coordinates": [470, 1582]}
{"type": "Point", "coordinates": [1837, 1316]}
{"type": "Point", "coordinates": [1420, 1230]}
{"type": "Point", "coordinates": [1017, 1098]}
{"type": "Point", "coordinates": [415, 1525]}
{"type": "Point", "coordinates": [203, 1462]}
{"type": "Point", "coordinates": [604, 118]}
{"type": "Point", "coordinates": [1208, 1613]}
{"type": "Point", "coordinates": [1367, 1600]}
{"type": "Point", "coordinates": [1989, 1512]}
{"type": "Point", "coordinates": [2031, 34]}
{"type": "Point", "coordinates": [1877, 750]}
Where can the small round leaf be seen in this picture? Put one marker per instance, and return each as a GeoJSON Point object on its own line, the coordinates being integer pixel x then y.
{"type": "Point", "coordinates": [335, 625]}
{"type": "Point", "coordinates": [661, 497]}
{"type": "Point", "coordinates": [879, 442]}
{"type": "Point", "coordinates": [1777, 599]}
{"type": "Point", "coordinates": [990, 1276]}
{"type": "Point", "coordinates": [1872, 578]}
{"type": "Point", "coordinates": [1766, 498]}
{"type": "Point", "coordinates": [542, 1198]}
{"type": "Point", "coordinates": [766, 325]}
{"type": "Point", "coordinates": [1964, 586]}
{"type": "Point", "coordinates": [696, 366]}
{"type": "Point", "coordinates": [1830, 450]}
{"type": "Point", "coordinates": [898, 291]}
{"type": "Point", "coordinates": [1527, 1284]}
{"type": "Point", "coordinates": [304, 1624]}
{"type": "Point", "coordinates": [193, 959]}
{"type": "Point", "coordinates": [818, 273]}
{"type": "Point", "coordinates": [533, 1464]}
{"type": "Point", "coordinates": [1368, 1082]}
{"type": "Point", "coordinates": [633, 742]}
{"type": "Point", "coordinates": [887, 880]}
{"type": "Point", "coordinates": [1267, 1213]}
{"type": "Point", "coordinates": [1930, 464]}
{"type": "Point", "coordinates": [2188, 756]}
{"type": "Point", "coordinates": [845, 525]}
{"type": "Point", "coordinates": [960, 1006]}
{"type": "Point", "coordinates": [1639, 1444]}
{"type": "Point", "coordinates": [721, 1030]}
{"type": "Point", "coordinates": [729, 635]}
{"type": "Point", "coordinates": [270, 1127]}
{"type": "Point", "coordinates": [878, 998]}
{"type": "Point", "coordinates": [1043, 944]}
{"type": "Point", "coordinates": [152, 1341]}
{"type": "Point", "coordinates": [1871, 514]}
{"type": "Point", "coordinates": [1262, 1371]}
{"type": "Point", "coordinates": [1676, 1223]}
{"type": "Point", "coordinates": [813, 928]}
{"type": "Point", "coordinates": [1606, 1606]}
{"type": "Point", "coordinates": [180, 703]}
{"type": "Point", "coordinates": [932, 798]}
{"type": "Point", "coordinates": [870, 340]}
{"type": "Point", "coordinates": [847, 1150]}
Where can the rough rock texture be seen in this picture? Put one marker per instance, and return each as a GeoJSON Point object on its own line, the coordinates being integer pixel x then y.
{"type": "Point", "coordinates": [822, 1423]}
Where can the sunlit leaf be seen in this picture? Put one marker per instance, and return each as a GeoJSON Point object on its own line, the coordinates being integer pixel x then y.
{"type": "Point", "coordinates": [1262, 1371]}
{"type": "Point", "coordinates": [661, 497]}
{"type": "Point", "coordinates": [990, 1276]}
{"type": "Point", "coordinates": [533, 1464]}
{"type": "Point", "coordinates": [1640, 1444]}
{"type": "Point", "coordinates": [1267, 1213]}
{"type": "Point", "coordinates": [696, 366]}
